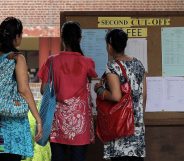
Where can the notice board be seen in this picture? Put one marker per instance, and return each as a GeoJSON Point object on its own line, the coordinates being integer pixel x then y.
{"type": "Point", "coordinates": [146, 26]}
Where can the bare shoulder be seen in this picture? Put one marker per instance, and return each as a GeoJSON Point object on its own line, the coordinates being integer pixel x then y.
{"type": "Point", "coordinates": [20, 58]}
{"type": "Point", "coordinates": [20, 62]}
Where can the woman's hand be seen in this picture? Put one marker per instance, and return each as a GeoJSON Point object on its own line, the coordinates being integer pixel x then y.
{"type": "Point", "coordinates": [38, 136]}
{"type": "Point", "coordinates": [97, 86]}
{"type": "Point", "coordinates": [100, 90]}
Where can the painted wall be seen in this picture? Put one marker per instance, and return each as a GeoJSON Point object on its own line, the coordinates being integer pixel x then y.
{"type": "Point", "coordinates": [41, 17]}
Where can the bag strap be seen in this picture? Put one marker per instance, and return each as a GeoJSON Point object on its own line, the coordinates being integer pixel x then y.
{"type": "Point", "coordinates": [4, 55]}
{"type": "Point", "coordinates": [122, 69]}
{"type": "Point", "coordinates": [51, 76]}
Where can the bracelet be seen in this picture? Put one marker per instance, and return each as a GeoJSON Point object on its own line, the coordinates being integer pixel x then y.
{"type": "Point", "coordinates": [100, 90]}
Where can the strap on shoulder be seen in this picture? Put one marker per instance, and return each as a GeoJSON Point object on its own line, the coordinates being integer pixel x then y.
{"type": "Point", "coordinates": [122, 69]}
{"type": "Point", "coordinates": [13, 55]}
{"type": "Point", "coordinates": [10, 55]}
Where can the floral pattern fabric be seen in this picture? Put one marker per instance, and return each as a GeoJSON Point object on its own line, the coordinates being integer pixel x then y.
{"type": "Point", "coordinates": [73, 122]}
{"type": "Point", "coordinates": [133, 145]}
{"type": "Point", "coordinates": [15, 135]}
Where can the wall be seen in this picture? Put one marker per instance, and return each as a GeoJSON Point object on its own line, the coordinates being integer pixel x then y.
{"type": "Point", "coordinates": [41, 18]}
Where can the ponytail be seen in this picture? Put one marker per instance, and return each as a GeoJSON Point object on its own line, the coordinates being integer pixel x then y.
{"type": "Point", "coordinates": [71, 35]}
{"type": "Point", "coordinates": [75, 46]}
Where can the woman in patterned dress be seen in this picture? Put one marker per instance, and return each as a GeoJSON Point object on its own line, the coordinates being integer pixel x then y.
{"type": "Point", "coordinates": [130, 148]}
{"type": "Point", "coordinates": [15, 135]}
{"type": "Point", "coordinates": [72, 128]}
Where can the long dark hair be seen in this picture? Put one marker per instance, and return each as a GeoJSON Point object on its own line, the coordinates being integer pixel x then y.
{"type": "Point", "coordinates": [71, 35]}
{"type": "Point", "coordinates": [9, 29]}
{"type": "Point", "coordinates": [118, 39]}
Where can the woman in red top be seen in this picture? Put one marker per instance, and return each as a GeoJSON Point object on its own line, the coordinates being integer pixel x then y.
{"type": "Point", "coordinates": [72, 126]}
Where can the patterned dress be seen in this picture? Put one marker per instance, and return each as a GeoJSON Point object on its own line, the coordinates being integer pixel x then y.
{"type": "Point", "coordinates": [133, 145]}
{"type": "Point", "coordinates": [73, 123]}
{"type": "Point", "coordinates": [15, 135]}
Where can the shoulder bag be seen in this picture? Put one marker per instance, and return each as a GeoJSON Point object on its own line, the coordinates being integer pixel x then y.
{"type": "Point", "coordinates": [48, 106]}
{"type": "Point", "coordinates": [116, 120]}
{"type": "Point", "coordinates": [12, 104]}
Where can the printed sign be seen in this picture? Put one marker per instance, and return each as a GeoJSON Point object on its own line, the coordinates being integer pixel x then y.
{"type": "Point", "coordinates": [125, 22]}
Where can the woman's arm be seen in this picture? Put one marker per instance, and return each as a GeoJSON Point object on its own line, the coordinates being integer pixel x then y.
{"type": "Point", "coordinates": [114, 92]}
{"type": "Point", "coordinates": [91, 69]}
{"type": "Point", "coordinates": [24, 89]}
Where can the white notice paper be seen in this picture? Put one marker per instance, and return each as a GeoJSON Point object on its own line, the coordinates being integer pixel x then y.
{"type": "Point", "coordinates": [154, 94]}
{"type": "Point", "coordinates": [93, 45]}
{"type": "Point", "coordinates": [137, 47]}
{"type": "Point", "coordinates": [174, 93]}
{"type": "Point", "coordinates": [165, 94]}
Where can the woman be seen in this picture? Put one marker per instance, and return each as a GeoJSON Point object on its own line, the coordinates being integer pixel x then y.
{"type": "Point", "coordinates": [130, 148]}
{"type": "Point", "coordinates": [72, 125]}
{"type": "Point", "coordinates": [15, 136]}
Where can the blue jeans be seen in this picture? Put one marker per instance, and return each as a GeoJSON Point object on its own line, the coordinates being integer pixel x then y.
{"type": "Point", "coordinates": [62, 152]}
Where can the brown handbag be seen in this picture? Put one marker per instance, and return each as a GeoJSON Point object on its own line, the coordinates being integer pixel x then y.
{"type": "Point", "coordinates": [116, 120]}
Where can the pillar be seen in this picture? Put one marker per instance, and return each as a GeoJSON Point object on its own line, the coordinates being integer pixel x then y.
{"type": "Point", "coordinates": [44, 50]}
{"type": "Point", "coordinates": [55, 45]}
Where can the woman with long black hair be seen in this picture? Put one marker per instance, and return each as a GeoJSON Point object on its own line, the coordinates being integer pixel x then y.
{"type": "Point", "coordinates": [72, 125]}
{"type": "Point", "coordinates": [15, 135]}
